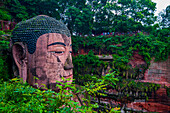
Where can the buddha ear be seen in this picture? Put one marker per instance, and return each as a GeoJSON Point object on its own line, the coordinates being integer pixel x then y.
{"type": "Point", "coordinates": [19, 55]}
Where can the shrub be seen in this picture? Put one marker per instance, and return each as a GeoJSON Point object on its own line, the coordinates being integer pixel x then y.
{"type": "Point", "coordinates": [4, 45]}
{"type": "Point", "coordinates": [23, 98]}
{"type": "Point", "coordinates": [17, 97]}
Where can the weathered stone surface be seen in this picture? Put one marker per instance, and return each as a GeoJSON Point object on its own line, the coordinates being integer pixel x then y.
{"type": "Point", "coordinates": [106, 57]}
{"type": "Point", "coordinates": [150, 107]}
{"type": "Point", "coordinates": [158, 71]}
{"type": "Point", "coordinates": [136, 59]}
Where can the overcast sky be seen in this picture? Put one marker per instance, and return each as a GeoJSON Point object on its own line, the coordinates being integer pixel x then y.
{"type": "Point", "coordinates": [160, 5]}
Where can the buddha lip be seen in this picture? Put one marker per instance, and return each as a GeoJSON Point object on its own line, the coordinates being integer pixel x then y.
{"type": "Point", "coordinates": [69, 76]}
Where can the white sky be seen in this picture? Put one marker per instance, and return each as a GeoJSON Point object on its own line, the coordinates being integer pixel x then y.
{"type": "Point", "coordinates": [161, 4]}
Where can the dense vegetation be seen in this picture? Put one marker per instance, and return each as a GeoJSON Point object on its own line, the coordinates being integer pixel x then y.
{"type": "Point", "coordinates": [90, 16]}
{"type": "Point", "coordinates": [17, 96]}
{"type": "Point", "coordinates": [121, 48]}
{"type": "Point", "coordinates": [4, 45]}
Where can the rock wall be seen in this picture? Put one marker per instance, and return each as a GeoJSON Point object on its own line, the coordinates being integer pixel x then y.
{"type": "Point", "coordinates": [158, 72]}
{"type": "Point", "coordinates": [136, 60]}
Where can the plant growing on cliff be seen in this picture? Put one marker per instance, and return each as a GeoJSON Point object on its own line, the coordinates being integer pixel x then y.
{"type": "Point", "coordinates": [17, 97]}
{"type": "Point", "coordinates": [4, 45]}
{"type": "Point", "coordinates": [122, 49]}
{"type": "Point", "coordinates": [87, 64]}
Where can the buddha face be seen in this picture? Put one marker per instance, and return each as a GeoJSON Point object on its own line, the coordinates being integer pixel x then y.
{"type": "Point", "coordinates": [52, 59]}
{"type": "Point", "coordinates": [50, 62]}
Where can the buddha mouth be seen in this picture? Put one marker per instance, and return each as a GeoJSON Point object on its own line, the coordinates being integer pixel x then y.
{"type": "Point", "coordinates": [69, 76]}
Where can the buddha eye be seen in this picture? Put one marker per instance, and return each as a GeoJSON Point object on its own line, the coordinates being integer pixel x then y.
{"type": "Point", "coordinates": [58, 52]}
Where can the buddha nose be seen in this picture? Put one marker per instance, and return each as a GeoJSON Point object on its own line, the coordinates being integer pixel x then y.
{"type": "Point", "coordinates": [68, 64]}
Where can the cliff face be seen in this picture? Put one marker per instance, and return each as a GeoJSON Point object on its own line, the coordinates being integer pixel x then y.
{"type": "Point", "coordinates": [158, 71]}
{"type": "Point", "coordinates": [136, 60]}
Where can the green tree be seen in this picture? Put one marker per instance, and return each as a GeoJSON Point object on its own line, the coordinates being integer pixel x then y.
{"type": "Point", "coordinates": [84, 21]}
{"type": "Point", "coordinates": [164, 17]}
{"type": "Point", "coordinates": [16, 10]}
{"type": "Point", "coordinates": [24, 9]}
{"type": "Point", "coordinates": [103, 17]}
{"type": "Point", "coordinates": [4, 14]}
{"type": "Point", "coordinates": [139, 10]}
{"type": "Point", "coordinates": [131, 15]}
{"type": "Point", "coordinates": [77, 15]}
{"type": "Point", "coordinates": [73, 14]}
{"type": "Point", "coordinates": [89, 16]}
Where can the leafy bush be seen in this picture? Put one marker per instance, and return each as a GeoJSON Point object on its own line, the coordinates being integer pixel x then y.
{"type": "Point", "coordinates": [121, 48]}
{"type": "Point", "coordinates": [2, 33]}
{"type": "Point", "coordinates": [87, 65]}
{"type": "Point", "coordinates": [17, 97]}
{"type": "Point", "coordinates": [4, 15]}
{"type": "Point", "coordinates": [148, 45]}
{"type": "Point", "coordinates": [129, 88]}
{"type": "Point", "coordinates": [4, 45]}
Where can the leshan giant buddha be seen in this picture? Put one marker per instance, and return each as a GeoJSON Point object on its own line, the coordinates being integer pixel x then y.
{"type": "Point", "coordinates": [41, 48]}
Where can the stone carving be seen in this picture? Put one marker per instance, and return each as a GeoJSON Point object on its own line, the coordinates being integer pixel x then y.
{"type": "Point", "coordinates": [41, 48]}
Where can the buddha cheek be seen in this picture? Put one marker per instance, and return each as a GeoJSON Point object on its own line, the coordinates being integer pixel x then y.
{"type": "Point", "coordinates": [54, 74]}
{"type": "Point", "coordinates": [54, 69]}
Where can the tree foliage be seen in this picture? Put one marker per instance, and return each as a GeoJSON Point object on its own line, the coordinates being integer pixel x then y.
{"type": "Point", "coordinates": [25, 9]}
{"type": "Point", "coordinates": [4, 45]}
{"type": "Point", "coordinates": [20, 97]}
{"type": "Point", "coordinates": [164, 17]}
{"type": "Point", "coordinates": [89, 16]}
{"type": "Point", "coordinates": [4, 14]}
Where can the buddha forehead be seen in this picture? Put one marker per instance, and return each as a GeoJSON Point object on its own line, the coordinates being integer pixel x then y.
{"type": "Point", "coordinates": [57, 38]}
{"type": "Point", "coordinates": [30, 30]}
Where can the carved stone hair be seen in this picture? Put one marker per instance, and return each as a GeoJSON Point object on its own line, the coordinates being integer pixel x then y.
{"type": "Point", "coordinates": [30, 30]}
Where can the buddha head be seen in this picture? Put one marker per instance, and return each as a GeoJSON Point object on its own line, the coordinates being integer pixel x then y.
{"type": "Point", "coordinates": [41, 48]}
